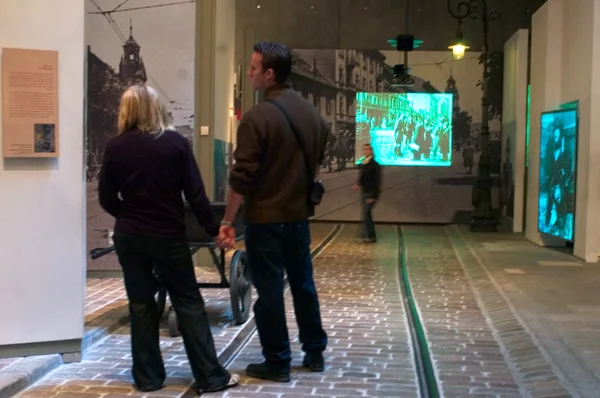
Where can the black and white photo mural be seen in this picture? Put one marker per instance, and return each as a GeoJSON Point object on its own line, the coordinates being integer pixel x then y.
{"type": "Point", "coordinates": [128, 42]}
{"type": "Point", "coordinates": [426, 135]}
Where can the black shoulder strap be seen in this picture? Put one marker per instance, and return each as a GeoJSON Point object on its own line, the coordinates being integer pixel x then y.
{"type": "Point", "coordinates": [309, 172]}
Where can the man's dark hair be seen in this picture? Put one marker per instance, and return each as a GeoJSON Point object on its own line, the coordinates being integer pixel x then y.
{"type": "Point", "coordinates": [277, 57]}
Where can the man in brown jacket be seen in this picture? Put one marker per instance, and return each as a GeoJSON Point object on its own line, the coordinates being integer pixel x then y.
{"type": "Point", "coordinates": [270, 176]}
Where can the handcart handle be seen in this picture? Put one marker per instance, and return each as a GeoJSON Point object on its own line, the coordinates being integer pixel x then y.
{"type": "Point", "coordinates": [101, 251]}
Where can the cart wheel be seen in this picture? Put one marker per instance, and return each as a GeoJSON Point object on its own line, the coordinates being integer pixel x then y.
{"type": "Point", "coordinates": [240, 288]}
{"type": "Point", "coordinates": [161, 301]}
{"type": "Point", "coordinates": [173, 324]}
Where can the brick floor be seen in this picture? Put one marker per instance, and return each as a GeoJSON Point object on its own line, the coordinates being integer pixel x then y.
{"type": "Point", "coordinates": [105, 370]}
{"type": "Point", "coordinates": [535, 370]}
{"type": "Point", "coordinates": [467, 358]}
{"type": "Point", "coordinates": [369, 353]}
{"type": "Point", "coordinates": [479, 346]}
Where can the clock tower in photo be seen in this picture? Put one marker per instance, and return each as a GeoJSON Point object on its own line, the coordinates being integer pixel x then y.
{"type": "Point", "coordinates": [131, 68]}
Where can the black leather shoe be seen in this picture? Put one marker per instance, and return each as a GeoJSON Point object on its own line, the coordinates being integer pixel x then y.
{"type": "Point", "coordinates": [266, 372]}
{"type": "Point", "coordinates": [314, 361]}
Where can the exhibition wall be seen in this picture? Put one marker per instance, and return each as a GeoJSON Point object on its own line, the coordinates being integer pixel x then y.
{"type": "Point", "coordinates": [43, 217]}
{"type": "Point", "coordinates": [514, 128]}
{"type": "Point", "coordinates": [565, 55]}
{"type": "Point", "coordinates": [124, 48]}
{"type": "Point", "coordinates": [438, 193]}
{"type": "Point", "coordinates": [190, 64]}
{"type": "Point", "coordinates": [224, 124]}
{"type": "Point", "coordinates": [430, 182]}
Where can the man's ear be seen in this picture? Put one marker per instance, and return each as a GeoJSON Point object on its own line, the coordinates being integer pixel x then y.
{"type": "Point", "coordinates": [270, 74]}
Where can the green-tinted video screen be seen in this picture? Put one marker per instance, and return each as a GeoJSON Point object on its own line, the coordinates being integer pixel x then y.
{"type": "Point", "coordinates": [556, 202]}
{"type": "Point", "coordinates": [405, 129]}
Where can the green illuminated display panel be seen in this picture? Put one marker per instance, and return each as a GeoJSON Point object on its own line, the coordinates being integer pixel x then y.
{"type": "Point", "coordinates": [405, 129]}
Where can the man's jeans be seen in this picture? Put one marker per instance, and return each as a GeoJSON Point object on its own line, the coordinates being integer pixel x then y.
{"type": "Point", "coordinates": [273, 249]}
{"type": "Point", "coordinates": [369, 225]}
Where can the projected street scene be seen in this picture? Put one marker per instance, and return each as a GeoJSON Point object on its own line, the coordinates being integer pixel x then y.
{"type": "Point", "coordinates": [405, 129]}
{"type": "Point", "coordinates": [333, 79]}
{"type": "Point", "coordinates": [556, 203]}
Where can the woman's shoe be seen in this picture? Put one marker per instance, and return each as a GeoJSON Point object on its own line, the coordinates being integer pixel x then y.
{"type": "Point", "coordinates": [149, 389]}
{"type": "Point", "coordinates": [233, 381]}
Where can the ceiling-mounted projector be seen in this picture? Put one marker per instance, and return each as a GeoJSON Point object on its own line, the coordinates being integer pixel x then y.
{"type": "Point", "coordinates": [404, 42]}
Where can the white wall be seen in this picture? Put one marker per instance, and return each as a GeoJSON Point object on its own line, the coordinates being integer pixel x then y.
{"type": "Point", "coordinates": [546, 68]}
{"type": "Point", "coordinates": [588, 168]}
{"type": "Point", "coordinates": [224, 68]}
{"type": "Point", "coordinates": [42, 254]}
{"type": "Point", "coordinates": [215, 46]}
{"type": "Point", "coordinates": [564, 64]}
{"type": "Point", "coordinates": [514, 117]}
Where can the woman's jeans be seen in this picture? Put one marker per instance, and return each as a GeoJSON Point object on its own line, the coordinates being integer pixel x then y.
{"type": "Point", "coordinates": [172, 261]}
{"type": "Point", "coordinates": [369, 225]}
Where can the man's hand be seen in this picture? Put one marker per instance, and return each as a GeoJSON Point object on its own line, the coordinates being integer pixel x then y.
{"type": "Point", "coordinates": [356, 186]}
{"type": "Point", "coordinates": [219, 241]}
{"type": "Point", "coordinates": [371, 200]}
{"type": "Point", "coordinates": [227, 237]}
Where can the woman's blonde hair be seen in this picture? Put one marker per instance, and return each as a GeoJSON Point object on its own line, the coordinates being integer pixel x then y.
{"type": "Point", "coordinates": [141, 109]}
{"type": "Point", "coordinates": [166, 117]}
